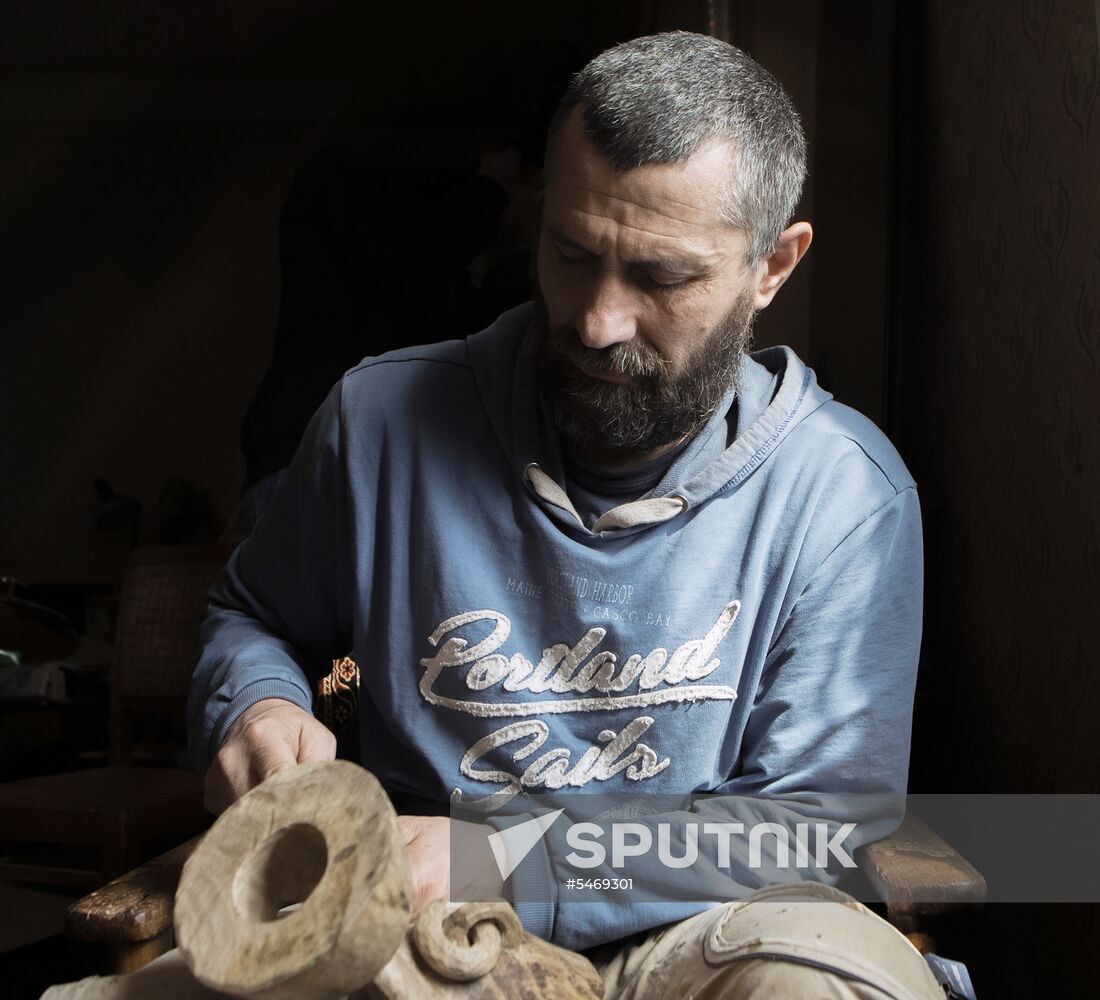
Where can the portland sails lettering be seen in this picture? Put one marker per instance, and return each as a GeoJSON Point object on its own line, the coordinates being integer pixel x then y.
{"type": "Point", "coordinates": [581, 668]}
{"type": "Point", "coordinates": [554, 768]}
{"type": "Point", "coordinates": [595, 677]}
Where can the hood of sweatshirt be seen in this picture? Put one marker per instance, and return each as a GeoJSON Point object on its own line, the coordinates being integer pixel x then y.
{"type": "Point", "coordinates": [775, 392]}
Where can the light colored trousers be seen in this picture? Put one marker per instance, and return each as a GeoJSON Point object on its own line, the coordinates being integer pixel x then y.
{"type": "Point", "coordinates": [805, 941]}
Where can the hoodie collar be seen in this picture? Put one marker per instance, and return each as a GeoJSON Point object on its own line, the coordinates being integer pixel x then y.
{"type": "Point", "coordinates": [775, 392]}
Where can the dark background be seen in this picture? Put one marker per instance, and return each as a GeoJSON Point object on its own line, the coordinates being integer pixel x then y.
{"type": "Point", "coordinates": [952, 293]}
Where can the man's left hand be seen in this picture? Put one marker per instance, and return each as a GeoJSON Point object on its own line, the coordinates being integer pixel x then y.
{"type": "Point", "coordinates": [428, 849]}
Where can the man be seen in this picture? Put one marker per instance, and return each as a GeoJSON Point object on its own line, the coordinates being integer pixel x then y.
{"type": "Point", "coordinates": [597, 546]}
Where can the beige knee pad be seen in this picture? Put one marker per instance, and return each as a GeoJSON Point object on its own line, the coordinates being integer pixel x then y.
{"type": "Point", "coordinates": [805, 941]}
{"type": "Point", "coordinates": [810, 940]}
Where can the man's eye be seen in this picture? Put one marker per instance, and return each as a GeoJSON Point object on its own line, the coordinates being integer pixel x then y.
{"type": "Point", "coordinates": [663, 281]}
{"type": "Point", "coordinates": [568, 253]}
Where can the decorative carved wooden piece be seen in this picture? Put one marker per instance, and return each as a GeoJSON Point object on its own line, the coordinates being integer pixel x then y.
{"type": "Point", "coordinates": [166, 978]}
{"type": "Point", "coordinates": [465, 944]}
{"type": "Point", "coordinates": [322, 836]}
{"type": "Point", "coordinates": [478, 951]}
{"type": "Point", "coordinates": [300, 890]}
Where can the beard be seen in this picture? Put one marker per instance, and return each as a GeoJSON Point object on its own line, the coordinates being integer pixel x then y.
{"type": "Point", "coordinates": [660, 406]}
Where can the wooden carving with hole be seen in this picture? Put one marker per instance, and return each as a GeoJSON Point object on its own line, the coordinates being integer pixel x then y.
{"type": "Point", "coordinates": [301, 890]}
{"type": "Point", "coordinates": [321, 838]}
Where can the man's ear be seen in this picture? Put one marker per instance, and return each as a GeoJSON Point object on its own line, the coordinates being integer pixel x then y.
{"type": "Point", "coordinates": [776, 268]}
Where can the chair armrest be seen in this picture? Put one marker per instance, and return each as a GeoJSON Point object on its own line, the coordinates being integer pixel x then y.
{"type": "Point", "coordinates": [916, 872]}
{"type": "Point", "coordinates": [135, 907]}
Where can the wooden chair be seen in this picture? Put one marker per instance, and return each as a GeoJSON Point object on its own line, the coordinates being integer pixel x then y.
{"type": "Point", "coordinates": [919, 876]}
{"type": "Point", "coordinates": [130, 918]}
{"type": "Point", "coordinates": [122, 814]}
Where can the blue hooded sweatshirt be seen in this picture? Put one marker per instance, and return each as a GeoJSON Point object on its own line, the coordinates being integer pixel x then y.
{"type": "Point", "coordinates": [751, 626]}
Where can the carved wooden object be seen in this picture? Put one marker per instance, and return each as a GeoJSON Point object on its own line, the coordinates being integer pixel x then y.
{"type": "Point", "coordinates": [300, 890]}
{"type": "Point", "coordinates": [322, 838]}
{"type": "Point", "coordinates": [478, 951]}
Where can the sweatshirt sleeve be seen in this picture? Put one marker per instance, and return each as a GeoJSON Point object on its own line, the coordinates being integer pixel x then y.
{"type": "Point", "coordinates": [827, 741]}
{"type": "Point", "coordinates": [833, 710]}
{"type": "Point", "coordinates": [280, 612]}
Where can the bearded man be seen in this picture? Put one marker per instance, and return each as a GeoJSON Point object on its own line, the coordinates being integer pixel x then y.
{"type": "Point", "coordinates": [600, 546]}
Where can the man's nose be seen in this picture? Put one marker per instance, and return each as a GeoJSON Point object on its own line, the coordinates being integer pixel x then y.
{"type": "Point", "coordinates": [609, 317]}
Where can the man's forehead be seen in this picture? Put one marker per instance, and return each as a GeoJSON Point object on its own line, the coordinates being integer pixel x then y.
{"type": "Point", "coordinates": [638, 247]}
{"type": "Point", "coordinates": [680, 202]}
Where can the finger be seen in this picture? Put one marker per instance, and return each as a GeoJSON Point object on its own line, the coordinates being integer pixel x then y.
{"type": "Point", "coordinates": [271, 758]}
{"type": "Point", "coordinates": [316, 743]}
{"type": "Point", "coordinates": [226, 780]}
{"type": "Point", "coordinates": [279, 765]}
{"type": "Point", "coordinates": [411, 827]}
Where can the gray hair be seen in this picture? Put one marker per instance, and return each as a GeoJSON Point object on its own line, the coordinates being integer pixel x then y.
{"type": "Point", "coordinates": [659, 99]}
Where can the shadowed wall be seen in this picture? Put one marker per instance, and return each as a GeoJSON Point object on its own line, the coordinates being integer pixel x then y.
{"type": "Point", "coordinates": [1000, 407]}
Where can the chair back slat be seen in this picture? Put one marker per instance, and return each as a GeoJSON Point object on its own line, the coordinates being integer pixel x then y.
{"type": "Point", "coordinates": [163, 597]}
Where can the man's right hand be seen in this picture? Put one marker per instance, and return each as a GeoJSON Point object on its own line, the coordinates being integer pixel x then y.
{"type": "Point", "coordinates": [268, 736]}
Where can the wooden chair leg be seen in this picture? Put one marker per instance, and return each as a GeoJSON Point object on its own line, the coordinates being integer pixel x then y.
{"type": "Point", "coordinates": [924, 943]}
{"type": "Point", "coordinates": [129, 956]}
{"type": "Point", "coordinates": [915, 929]}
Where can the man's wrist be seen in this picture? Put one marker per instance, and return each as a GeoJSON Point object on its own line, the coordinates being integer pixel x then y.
{"type": "Point", "coordinates": [252, 694]}
{"type": "Point", "coordinates": [257, 708]}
